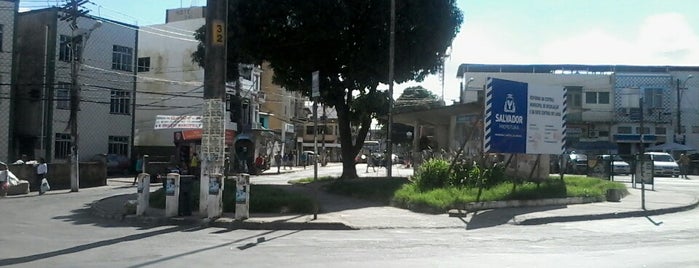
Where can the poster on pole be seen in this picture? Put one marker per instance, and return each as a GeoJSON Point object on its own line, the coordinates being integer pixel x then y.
{"type": "Point", "coordinates": [524, 119]}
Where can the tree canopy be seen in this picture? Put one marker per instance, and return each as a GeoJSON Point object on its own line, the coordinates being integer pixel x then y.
{"type": "Point", "coordinates": [348, 43]}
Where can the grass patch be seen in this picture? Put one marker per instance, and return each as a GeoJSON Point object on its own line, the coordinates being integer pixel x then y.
{"type": "Point", "coordinates": [263, 199]}
{"type": "Point", "coordinates": [311, 180]}
{"type": "Point", "coordinates": [373, 189]}
{"type": "Point", "coordinates": [442, 199]}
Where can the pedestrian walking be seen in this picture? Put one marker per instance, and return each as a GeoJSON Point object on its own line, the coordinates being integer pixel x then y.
{"type": "Point", "coordinates": [138, 168]}
{"type": "Point", "coordinates": [370, 162]}
{"type": "Point", "coordinates": [278, 161]}
{"type": "Point", "coordinates": [303, 158]}
{"type": "Point", "coordinates": [291, 160]}
{"type": "Point", "coordinates": [684, 165]}
{"type": "Point", "coordinates": [41, 170]}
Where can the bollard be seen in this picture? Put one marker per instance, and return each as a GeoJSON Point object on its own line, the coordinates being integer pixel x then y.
{"type": "Point", "coordinates": [172, 194]}
{"type": "Point", "coordinates": [215, 196]}
{"type": "Point", "coordinates": [242, 197]}
{"type": "Point", "coordinates": [143, 190]}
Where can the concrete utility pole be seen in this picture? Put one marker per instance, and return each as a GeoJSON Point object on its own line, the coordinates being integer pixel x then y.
{"type": "Point", "coordinates": [680, 87]}
{"type": "Point", "coordinates": [391, 57]}
{"type": "Point", "coordinates": [213, 134]}
{"type": "Point", "coordinates": [72, 10]}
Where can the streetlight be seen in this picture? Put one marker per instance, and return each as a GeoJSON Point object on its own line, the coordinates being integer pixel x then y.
{"type": "Point", "coordinates": [464, 89]}
{"type": "Point", "coordinates": [679, 112]}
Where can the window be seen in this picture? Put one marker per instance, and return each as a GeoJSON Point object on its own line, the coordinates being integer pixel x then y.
{"type": "Point", "coordinates": [1, 34]}
{"type": "Point", "coordinates": [63, 96]}
{"type": "Point", "coordinates": [574, 97]}
{"type": "Point", "coordinates": [646, 130]}
{"type": "Point", "coordinates": [120, 102]}
{"type": "Point", "coordinates": [62, 146]}
{"type": "Point", "coordinates": [593, 97]}
{"type": "Point", "coordinates": [122, 58]}
{"type": "Point", "coordinates": [624, 130]}
{"type": "Point", "coordinates": [653, 98]}
{"type": "Point", "coordinates": [603, 133]}
{"type": "Point", "coordinates": [64, 53]}
{"type": "Point", "coordinates": [118, 145]}
{"type": "Point", "coordinates": [144, 64]}
{"type": "Point", "coordinates": [660, 130]}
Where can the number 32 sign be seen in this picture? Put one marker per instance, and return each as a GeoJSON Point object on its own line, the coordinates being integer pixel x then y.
{"type": "Point", "coordinates": [219, 32]}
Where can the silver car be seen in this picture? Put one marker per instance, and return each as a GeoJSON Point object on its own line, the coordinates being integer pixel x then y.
{"type": "Point", "coordinates": [619, 166]}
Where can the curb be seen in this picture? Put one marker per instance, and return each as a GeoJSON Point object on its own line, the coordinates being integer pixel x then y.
{"type": "Point", "coordinates": [98, 210]}
{"type": "Point", "coordinates": [603, 216]}
{"type": "Point", "coordinates": [476, 206]}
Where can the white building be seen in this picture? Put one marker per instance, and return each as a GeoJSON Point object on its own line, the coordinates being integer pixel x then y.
{"type": "Point", "coordinates": [171, 83]}
{"type": "Point", "coordinates": [603, 112]}
{"type": "Point", "coordinates": [106, 78]}
{"type": "Point", "coordinates": [8, 11]}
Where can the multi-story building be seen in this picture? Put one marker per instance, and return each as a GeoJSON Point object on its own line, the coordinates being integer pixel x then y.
{"type": "Point", "coordinates": [8, 11]}
{"type": "Point", "coordinates": [281, 112]}
{"type": "Point", "coordinates": [171, 84]}
{"type": "Point", "coordinates": [106, 78]}
{"type": "Point", "coordinates": [603, 111]}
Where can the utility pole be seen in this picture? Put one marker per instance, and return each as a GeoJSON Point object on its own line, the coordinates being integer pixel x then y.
{"type": "Point", "coordinates": [391, 57]}
{"type": "Point", "coordinates": [213, 134]}
{"type": "Point", "coordinates": [680, 87]}
{"type": "Point", "coordinates": [325, 128]}
{"type": "Point", "coordinates": [72, 13]}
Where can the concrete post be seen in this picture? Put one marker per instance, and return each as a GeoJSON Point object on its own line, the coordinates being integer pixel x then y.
{"type": "Point", "coordinates": [242, 197]}
{"type": "Point", "coordinates": [215, 194]}
{"type": "Point", "coordinates": [172, 194]}
{"type": "Point", "coordinates": [143, 190]}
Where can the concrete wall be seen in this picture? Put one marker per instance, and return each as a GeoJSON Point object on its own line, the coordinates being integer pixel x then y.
{"type": "Point", "coordinates": [92, 174]}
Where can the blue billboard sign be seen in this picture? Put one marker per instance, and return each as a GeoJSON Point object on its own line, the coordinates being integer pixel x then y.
{"type": "Point", "coordinates": [523, 119]}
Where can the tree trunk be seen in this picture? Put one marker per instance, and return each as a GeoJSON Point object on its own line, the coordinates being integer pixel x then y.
{"type": "Point", "coordinates": [349, 148]}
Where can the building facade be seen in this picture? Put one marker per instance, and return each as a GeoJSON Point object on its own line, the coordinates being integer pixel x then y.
{"type": "Point", "coordinates": [106, 80]}
{"type": "Point", "coordinates": [8, 12]}
{"type": "Point", "coordinates": [604, 102]}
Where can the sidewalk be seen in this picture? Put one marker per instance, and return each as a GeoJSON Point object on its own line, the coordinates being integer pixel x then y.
{"type": "Point", "coordinates": [344, 213]}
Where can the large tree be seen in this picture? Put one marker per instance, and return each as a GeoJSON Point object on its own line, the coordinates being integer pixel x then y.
{"type": "Point", "coordinates": [347, 41]}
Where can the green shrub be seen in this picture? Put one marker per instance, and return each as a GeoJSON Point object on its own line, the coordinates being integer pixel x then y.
{"type": "Point", "coordinates": [374, 189]}
{"type": "Point", "coordinates": [433, 173]}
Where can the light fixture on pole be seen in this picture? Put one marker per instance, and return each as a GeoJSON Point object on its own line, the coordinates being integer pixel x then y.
{"type": "Point", "coordinates": [678, 130]}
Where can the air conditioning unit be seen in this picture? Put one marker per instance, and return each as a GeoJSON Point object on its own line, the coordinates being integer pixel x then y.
{"type": "Point", "coordinates": [592, 133]}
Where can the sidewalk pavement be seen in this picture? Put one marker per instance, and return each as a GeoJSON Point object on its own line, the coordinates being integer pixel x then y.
{"type": "Point", "coordinates": [344, 213]}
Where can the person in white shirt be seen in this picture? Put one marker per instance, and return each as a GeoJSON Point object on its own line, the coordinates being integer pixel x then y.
{"type": "Point", "coordinates": [41, 171]}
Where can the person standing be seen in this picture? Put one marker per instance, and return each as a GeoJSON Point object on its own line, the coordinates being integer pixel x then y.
{"type": "Point", "coordinates": [291, 159]}
{"type": "Point", "coordinates": [370, 161]}
{"type": "Point", "coordinates": [684, 165]}
{"type": "Point", "coordinates": [194, 165]}
{"type": "Point", "coordinates": [41, 170]}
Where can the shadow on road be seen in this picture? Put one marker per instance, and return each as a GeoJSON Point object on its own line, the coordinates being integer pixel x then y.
{"type": "Point", "coordinates": [495, 217]}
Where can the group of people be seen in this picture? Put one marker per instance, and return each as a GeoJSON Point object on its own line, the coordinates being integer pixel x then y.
{"type": "Point", "coordinates": [287, 160]}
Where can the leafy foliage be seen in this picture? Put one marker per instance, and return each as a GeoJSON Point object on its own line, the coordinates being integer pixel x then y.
{"type": "Point", "coordinates": [347, 42]}
{"type": "Point", "coordinates": [415, 99]}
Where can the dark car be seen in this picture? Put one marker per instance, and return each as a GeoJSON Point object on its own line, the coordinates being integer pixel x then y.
{"type": "Point", "coordinates": [117, 164]}
{"type": "Point", "coordinates": [576, 163]}
{"type": "Point", "coordinates": [694, 164]}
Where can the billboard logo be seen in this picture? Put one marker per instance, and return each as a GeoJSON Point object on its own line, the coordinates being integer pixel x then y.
{"type": "Point", "coordinates": [509, 104]}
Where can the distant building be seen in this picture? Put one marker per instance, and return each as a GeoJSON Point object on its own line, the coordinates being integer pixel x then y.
{"type": "Point", "coordinates": [603, 112]}
{"type": "Point", "coordinates": [43, 86]}
{"type": "Point", "coordinates": [8, 11]}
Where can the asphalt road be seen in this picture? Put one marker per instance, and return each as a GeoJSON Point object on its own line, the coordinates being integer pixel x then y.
{"type": "Point", "coordinates": [55, 230]}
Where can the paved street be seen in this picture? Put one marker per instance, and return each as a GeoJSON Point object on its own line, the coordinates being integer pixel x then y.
{"type": "Point", "coordinates": [56, 230]}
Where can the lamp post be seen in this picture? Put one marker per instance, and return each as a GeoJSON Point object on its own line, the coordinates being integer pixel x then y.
{"type": "Point", "coordinates": [409, 161]}
{"type": "Point", "coordinates": [681, 86]}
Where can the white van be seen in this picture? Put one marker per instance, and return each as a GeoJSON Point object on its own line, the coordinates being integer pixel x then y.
{"type": "Point", "coordinates": [664, 164]}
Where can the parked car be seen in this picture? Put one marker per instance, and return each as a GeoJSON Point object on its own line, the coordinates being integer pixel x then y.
{"type": "Point", "coordinates": [619, 166]}
{"type": "Point", "coordinates": [576, 163]}
{"type": "Point", "coordinates": [694, 164]}
{"type": "Point", "coordinates": [116, 164]}
{"type": "Point", "coordinates": [664, 164]}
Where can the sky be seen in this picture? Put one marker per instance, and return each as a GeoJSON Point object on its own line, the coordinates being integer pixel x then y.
{"type": "Point", "coordinates": [615, 32]}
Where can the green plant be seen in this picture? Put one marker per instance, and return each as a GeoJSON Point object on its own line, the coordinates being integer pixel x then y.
{"type": "Point", "coordinates": [433, 173]}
